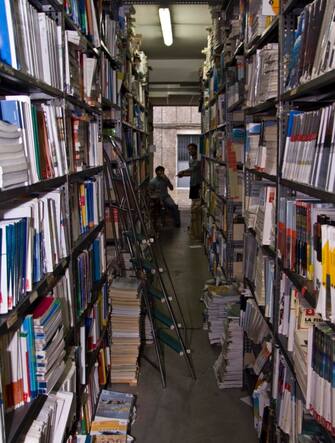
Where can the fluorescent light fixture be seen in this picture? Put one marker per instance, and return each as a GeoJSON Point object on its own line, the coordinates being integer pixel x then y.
{"type": "Point", "coordinates": [165, 19]}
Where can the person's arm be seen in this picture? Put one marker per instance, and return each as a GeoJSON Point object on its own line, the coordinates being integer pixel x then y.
{"type": "Point", "coordinates": [185, 173]}
{"type": "Point", "coordinates": [170, 185]}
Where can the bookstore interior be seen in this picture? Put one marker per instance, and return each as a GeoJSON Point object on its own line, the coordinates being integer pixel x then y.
{"type": "Point", "coordinates": [85, 287]}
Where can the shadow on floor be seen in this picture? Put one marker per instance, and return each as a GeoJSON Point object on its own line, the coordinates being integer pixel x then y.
{"type": "Point", "coordinates": [188, 411]}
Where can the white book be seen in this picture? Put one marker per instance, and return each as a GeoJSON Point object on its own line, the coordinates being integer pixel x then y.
{"type": "Point", "coordinates": [22, 4]}
{"type": "Point", "coordinates": [44, 42]}
{"type": "Point", "coordinates": [82, 355]}
{"type": "Point", "coordinates": [4, 282]}
{"type": "Point", "coordinates": [60, 57]}
{"type": "Point", "coordinates": [64, 406]}
{"type": "Point", "coordinates": [47, 236]}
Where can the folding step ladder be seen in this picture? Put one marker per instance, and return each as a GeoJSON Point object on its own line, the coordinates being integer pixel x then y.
{"type": "Point", "coordinates": [139, 238]}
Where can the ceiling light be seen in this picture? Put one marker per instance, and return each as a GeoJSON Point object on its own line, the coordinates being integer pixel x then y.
{"type": "Point", "coordinates": [165, 19]}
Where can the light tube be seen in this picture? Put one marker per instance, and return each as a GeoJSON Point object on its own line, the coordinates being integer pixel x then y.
{"type": "Point", "coordinates": [165, 19]}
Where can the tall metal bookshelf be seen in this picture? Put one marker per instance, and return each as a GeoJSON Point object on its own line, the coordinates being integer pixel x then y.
{"type": "Point", "coordinates": [107, 112]}
{"type": "Point", "coordinates": [312, 94]}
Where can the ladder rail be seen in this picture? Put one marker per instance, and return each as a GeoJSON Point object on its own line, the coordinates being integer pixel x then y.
{"type": "Point", "coordinates": [124, 171]}
{"type": "Point", "coordinates": [165, 266]}
{"type": "Point", "coordinates": [136, 254]}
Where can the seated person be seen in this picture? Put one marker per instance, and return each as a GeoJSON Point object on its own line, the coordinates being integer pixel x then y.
{"type": "Point", "coordinates": [158, 190]}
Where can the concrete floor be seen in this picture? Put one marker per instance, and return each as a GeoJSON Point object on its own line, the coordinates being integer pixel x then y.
{"type": "Point", "coordinates": [188, 411]}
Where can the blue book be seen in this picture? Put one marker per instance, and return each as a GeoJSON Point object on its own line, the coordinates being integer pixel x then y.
{"type": "Point", "coordinates": [114, 405]}
{"type": "Point", "coordinates": [10, 111]}
{"type": "Point", "coordinates": [27, 328]}
{"type": "Point", "coordinates": [88, 202]}
{"type": "Point", "coordinates": [96, 260]}
{"type": "Point", "coordinates": [5, 55]}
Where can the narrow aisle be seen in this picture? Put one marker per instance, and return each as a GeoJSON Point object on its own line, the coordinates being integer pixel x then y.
{"type": "Point", "coordinates": [189, 411]}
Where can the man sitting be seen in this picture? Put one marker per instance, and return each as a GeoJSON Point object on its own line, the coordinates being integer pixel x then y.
{"type": "Point", "coordinates": [158, 190]}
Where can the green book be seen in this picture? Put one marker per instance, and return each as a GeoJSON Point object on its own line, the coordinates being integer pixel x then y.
{"type": "Point", "coordinates": [36, 142]}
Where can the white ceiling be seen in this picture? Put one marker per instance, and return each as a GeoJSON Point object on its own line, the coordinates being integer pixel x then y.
{"type": "Point", "coordinates": [189, 23]}
{"type": "Point", "coordinates": [177, 64]}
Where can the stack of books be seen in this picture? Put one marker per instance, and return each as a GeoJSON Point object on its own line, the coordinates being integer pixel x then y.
{"type": "Point", "coordinates": [31, 41]}
{"type": "Point", "coordinates": [13, 162]}
{"type": "Point", "coordinates": [42, 131]}
{"type": "Point", "coordinates": [114, 413]}
{"type": "Point", "coordinates": [49, 343]}
{"type": "Point", "coordinates": [262, 75]}
{"type": "Point", "coordinates": [218, 302]}
{"type": "Point", "coordinates": [126, 305]}
{"type": "Point", "coordinates": [228, 368]}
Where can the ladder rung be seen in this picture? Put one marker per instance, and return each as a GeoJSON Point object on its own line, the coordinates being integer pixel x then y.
{"type": "Point", "coordinates": [167, 321]}
{"type": "Point", "coordinates": [158, 295]}
{"type": "Point", "coordinates": [171, 342]}
{"type": "Point", "coordinates": [139, 237]}
{"type": "Point", "coordinates": [147, 266]}
{"type": "Point", "coordinates": [144, 264]}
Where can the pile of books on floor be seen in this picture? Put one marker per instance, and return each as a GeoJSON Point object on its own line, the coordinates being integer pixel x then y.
{"type": "Point", "coordinates": [125, 300]}
{"type": "Point", "coordinates": [218, 302]}
{"type": "Point", "coordinates": [115, 412]}
{"type": "Point", "coordinates": [228, 368]}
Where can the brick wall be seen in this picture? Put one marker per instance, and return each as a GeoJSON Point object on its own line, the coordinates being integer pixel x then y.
{"type": "Point", "coordinates": [169, 121]}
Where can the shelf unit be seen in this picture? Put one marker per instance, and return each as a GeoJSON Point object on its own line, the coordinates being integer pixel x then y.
{"type": "Point", "coordinates": [17, 82]}
{"type": "Point", "coordinates": [222, 160]}
{"type": "Point", "coordinates": [265, 121]}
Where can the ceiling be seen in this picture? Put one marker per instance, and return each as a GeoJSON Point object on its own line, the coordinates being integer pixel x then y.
{"type": "Point", "coordinates": [175, 69]}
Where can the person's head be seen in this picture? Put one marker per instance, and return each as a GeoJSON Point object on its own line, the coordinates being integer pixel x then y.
{"type": "Point", "coordinates": [159, 171]}
{"type": "Point", "coordinates": [192, 149]}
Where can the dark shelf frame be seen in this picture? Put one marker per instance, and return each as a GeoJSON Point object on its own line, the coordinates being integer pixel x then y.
{"type": "Point", "coordinates": [83, 105]}
{"type": "Point", "coordinates": [134, 128]}
{"type": "Point", "coordinates": [86, 239]}
{"type": "Point", "coordinates": [106, 104]}
{"type": "Point", "coordinates": [261, 174]}
{"type": "Point", "coordinates": [7, 196]}
{"type": "Point", "coordinates": [20, 81]}
{"type": "Point", "coordinates": [13, 319]}
{"type": "Point", "coordinates": [84, 174]}
{"type": "Point", "coordinates": [265, 107]}
{"type": "Point", "coordinates": [321, 84]}
{"type": "Point", "coordinates": [324, 196]}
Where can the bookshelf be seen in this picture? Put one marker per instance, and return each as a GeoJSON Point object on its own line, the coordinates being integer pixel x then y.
{"type": "Point", "coordinates": [52, 203]}
{"type": "Point", "coordinates": [287, 202]}
{"type": "Point", "coordinates": [222, 153]}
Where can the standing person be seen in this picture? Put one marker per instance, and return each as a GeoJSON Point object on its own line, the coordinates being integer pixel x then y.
{"type": "Point", "coordinates": [194, 171]}
{"type": "Point", "coordinates": [158, 189]}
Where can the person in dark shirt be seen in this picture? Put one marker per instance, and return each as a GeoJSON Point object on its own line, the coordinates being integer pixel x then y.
{"type": "Point", "coordinates": [158, 189]}
{"type": "Point", "coordinates": [194, 172]}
